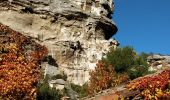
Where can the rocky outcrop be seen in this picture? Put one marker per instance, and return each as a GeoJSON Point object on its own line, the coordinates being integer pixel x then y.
{"type": "Point", "coordinates": [76, 32]}
{"type": "Point", "coordinates": [58, 84]}
{"type": "Point", "coordinates": [158, 62]}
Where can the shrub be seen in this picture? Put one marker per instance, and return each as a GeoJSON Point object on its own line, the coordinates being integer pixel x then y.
{"type": "Point", "coordinates": [126, 60]}
{"type": "Point", "coordinates": [81, 90]}
{"type": "Point", "coordinates": [104, 77]}
{"type": "Point", "coordinates": [19, 65]}
{"type": "Point", "coordinates": [47, 93]}
{"type": "Point", "coordinates": [117, 67]}
{"type": "Point", "coordinates": [153, 87]}
{"type": "Point", "coordinates": [137, 71]}
{"type": "Point", "coordinates": [140, 66]}
{"type": "Point", "coordinates": [121, 58]}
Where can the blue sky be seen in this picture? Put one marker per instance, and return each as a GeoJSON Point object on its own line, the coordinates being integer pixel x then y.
{"type": "Point", "coordinates": [143, 24]}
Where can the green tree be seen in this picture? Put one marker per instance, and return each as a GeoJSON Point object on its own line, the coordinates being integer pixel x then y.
{"type": "Point", "coordinates": [127, 60]}
{"type": "Point", "coordinates": [140, 66]}
{"type": "Point", "coordinates": [121, 58]}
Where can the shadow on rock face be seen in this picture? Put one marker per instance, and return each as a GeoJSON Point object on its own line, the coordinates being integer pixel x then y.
{"type": "Point", "coordinates": [50, 60]}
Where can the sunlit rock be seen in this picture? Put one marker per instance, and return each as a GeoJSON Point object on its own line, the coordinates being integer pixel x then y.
{"type": "Point", "coordinates": [76, 32]}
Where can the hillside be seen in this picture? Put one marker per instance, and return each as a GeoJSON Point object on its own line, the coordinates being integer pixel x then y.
{"type": "Point", "coordinates": [64, 49]}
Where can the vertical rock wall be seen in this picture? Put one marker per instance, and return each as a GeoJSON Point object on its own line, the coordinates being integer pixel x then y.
{"type": "Point", "coordinates": [76, 32]}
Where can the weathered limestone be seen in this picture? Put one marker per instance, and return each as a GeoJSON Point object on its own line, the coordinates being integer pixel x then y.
{"type": "Point", "coordinates": [58, 84]}
{"type": "Point", "coordinates": [158, 62]}
{"type": "Point", "coordinates": [76, 32]}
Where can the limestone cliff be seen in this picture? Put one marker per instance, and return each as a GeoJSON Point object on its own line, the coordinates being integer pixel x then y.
{"type": "Point", "coordinates": [76, 32]}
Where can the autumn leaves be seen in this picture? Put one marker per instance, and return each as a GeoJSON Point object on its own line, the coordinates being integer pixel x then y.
{"type": "Point", "coordinates": [18, 74]}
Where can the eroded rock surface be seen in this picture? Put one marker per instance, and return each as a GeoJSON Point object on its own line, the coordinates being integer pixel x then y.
{"type": "Point", "coordinates": [76, 32]}
{"type": "Point", "coordinates": [158, 62]}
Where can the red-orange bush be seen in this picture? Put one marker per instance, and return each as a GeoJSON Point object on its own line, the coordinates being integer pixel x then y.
{"type": "Point", "coordinates": [19, 65]}
{"type": "Point", "coordinates": [104, 77]}
{"type": "Point", "coordinates": [153, 87]}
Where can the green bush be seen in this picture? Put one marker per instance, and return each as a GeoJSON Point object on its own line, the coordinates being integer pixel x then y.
{"type": "Point", "coordinates": [47, 93]}
{"type": "Point", "coordinates": [121, 58]}
{"type": "Point", "coordinates": [81, 90]}
{"type": "Point", "coordinates": [137, 71]}
{"type": "Point", "coordinates": [126, 60]}
{"type": "Point", "coordinates": [140, 66]}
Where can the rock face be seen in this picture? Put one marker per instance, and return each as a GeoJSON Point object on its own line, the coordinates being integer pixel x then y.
{"type": "Point", "coordinates": [158, 62]}
{"type": "Point", "coordinates": [76, 32]}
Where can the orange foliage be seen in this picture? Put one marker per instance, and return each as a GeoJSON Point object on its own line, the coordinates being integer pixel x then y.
{"type": "Point", "coordinates": [19, 65]}
{"type": "Point", "coordinates": [104, 77]}
{"type": "Point", "coordinates": [153, 87]}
